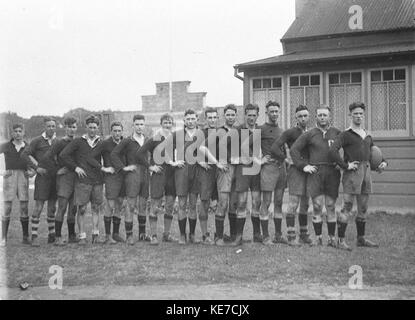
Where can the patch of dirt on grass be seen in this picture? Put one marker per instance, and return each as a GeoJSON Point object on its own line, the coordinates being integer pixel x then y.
{"type": "Point", "coordinates": [212, 291]}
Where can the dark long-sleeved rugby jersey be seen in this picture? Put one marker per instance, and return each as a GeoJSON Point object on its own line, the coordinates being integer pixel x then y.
{"type": "Point", "coordinates": [222, 139]}
{"type": "Point", "coordinates": [38, 148]}
{"type": "Point", "coordinates": [269, 134]}
{"type": "Point", "coordinates": [247, 142]}
{"type": "Point", "coordinates": [51, 158]}
{"type": "Point", "coordinates": [288, 137]}
{"type": "Point", "coordinates": [78, 153]}
{"type": "Point", "coordinates": [355, 148]}
{"type": "Point", "coordinates": [317, 143]}
{"type": "Point", "coordinates": [146, 152]}
{"type": "Point", "coordinates": [12, 157]}
{"type": "Point", "coordinates": [214, 140]}
{"type": "Point", "coordinates": [180, 141]}
{"type": "Point", "coordinates": [125, 153]}
{"type": "Point", "coordinates": [103, 150]}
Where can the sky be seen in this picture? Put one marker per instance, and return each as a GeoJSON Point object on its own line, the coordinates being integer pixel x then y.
{"type": "Point", "coordinates": [105, 54]}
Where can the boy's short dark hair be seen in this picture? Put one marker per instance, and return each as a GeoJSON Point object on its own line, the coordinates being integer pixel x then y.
{"type": "Point", "coordinates": [210, 110]}
{"type": "Point", "coordinates": [230, 106]}
{"type": "Point", "coordinates": [301, 108]}
{"type": "Point", "coordinates": [18, 125]}
{"type": "Point", "coordinates": [116, 124]}
{"type": "Point", "coordinates": [68, 121]}
{"type": "Point", "coordinates": [166, 116]}
{"type": "Point", "coordinates": [189, 111]}
{"type": "Point", "coordinates": [251, 106]}
{"type": "Point", "coordinates": [92, 119]}
{"type": "Point", "coordinates": [138, 117]}
{"type": "Point", "coordinates": [356, 105]}
{"type": "Point", "coordinates": [272, 103]}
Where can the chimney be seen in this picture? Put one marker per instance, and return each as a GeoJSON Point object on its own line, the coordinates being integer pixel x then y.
{"type": "Point", "coordinates": [299, 7]}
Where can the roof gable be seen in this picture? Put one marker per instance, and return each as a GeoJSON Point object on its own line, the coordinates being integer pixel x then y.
{"type": "Point", "coordinates": [330, 17]}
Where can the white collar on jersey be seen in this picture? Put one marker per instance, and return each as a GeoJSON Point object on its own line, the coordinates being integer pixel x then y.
{"type": "Point", "coordinates": [49, 140]}
{"type": "Point", "coordinates": [140, 139]}
{"type": "Point", "coordinates": [19, 146]}
{"type": "Point", "coordinates": [363, 133]}
{"type": "Point", "coordinates": [92, 142]}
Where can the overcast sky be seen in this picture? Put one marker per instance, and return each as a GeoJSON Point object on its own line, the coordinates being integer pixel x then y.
{"type": "Point", "coordinates": [106, 54]}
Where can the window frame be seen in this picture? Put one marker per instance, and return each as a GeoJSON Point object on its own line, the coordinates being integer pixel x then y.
{"type": "Point", "coordinates": [251, 92]}
{"type": "Point", "coordinates": [289, 89]}
{"type": "Point", "coordinates": [404, 133]}
{"type": "Point", "coordinates": [363, 92]}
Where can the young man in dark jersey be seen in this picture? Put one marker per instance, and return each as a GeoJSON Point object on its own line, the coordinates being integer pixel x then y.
{"type": "Point", "coordinates": [161, 180]}
{"type": "Point", "coordinates": [207, 175]}
{"type": "Point", "coordinates": [65, 183]}
{"type": "Point", "coordinates": [247, 171]}
{"type": "Point", "coordinates": [323, 175]}
{"type": "Point", "coordinates": [136, 179]}
{"type": "Point", "coordinates": [113, 182]}
{"type": "Point", "coordinates": [219, 154]}
{"type": "Point", "coordinates": [273, 176]}
{"type": "Point", "coordinates": [77, 156]}
{"type": "Point", "coordinates": [45, 181]}
{"type": "Point", "coordinates": [296, 180]}
{"type": "Point", "coordinates": [185, 173]}
{"type": "Point", "coordinates": [15, 182]}
{"type": "Point", "coordinates": [356, 143]}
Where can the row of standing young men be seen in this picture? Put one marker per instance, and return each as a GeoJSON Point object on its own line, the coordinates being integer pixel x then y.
{"type": "Point", "coordinates": [73, 170]}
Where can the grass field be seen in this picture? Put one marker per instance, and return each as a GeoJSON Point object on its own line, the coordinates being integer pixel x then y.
{"type": "Point", "coordinates": [267, 268]}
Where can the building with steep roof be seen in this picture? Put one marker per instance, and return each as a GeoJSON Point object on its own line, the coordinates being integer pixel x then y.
{"type": "Point", "coordinates": [339, 51]}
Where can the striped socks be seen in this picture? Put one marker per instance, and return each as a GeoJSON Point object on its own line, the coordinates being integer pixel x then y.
{"type": "Point", "coordinates": [51, 225]}
{"type": "Point", "coordinates": [35, 227]}
{"type": "Point", "coordinates": [128, 228]}
{"type": "Point", "coordinates": [303, 223]}
{"type": "Point", "coordinates": [141, 224]}
{"type": "Point", "coordinates": [290, 221]}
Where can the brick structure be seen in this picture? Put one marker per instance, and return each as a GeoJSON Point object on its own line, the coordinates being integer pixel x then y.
{"type": "Point", "coordinates": [182, 98]}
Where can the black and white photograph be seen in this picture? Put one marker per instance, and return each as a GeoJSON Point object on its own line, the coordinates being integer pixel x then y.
{"type": "Point", "coordinates": [207, 151]}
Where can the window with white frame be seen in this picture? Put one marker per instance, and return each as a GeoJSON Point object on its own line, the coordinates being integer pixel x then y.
{"type": "Point", "coordinates": [344, 89]}
{"type": "Point", "coordinates": [389, 110]}
{"type": "Point", "coordinates": [264, 90]}
{"type": "Point", "coordinates": [305, 90]}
